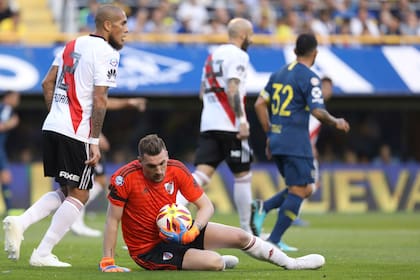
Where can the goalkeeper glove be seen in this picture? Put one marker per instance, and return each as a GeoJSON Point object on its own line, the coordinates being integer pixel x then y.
{"type": "Point", "coordinates": [190, 235]}
{"type": "Point", "coordinates": [181, 236]}
{"type": "Point", "coordinates": [107, 264]}
{"type": "Point", "coordinates": [173, 236]}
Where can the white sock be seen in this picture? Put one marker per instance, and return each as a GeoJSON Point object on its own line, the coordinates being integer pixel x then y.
{"type": "Point", "coordinates": [201, 178]}
{"type": "Point", "coordinates": [41, 208]}
{"type": "Point", "coordinates": [94, 192]}
{"type": "Point", "coordinates": [180, 199]}
{"type": "Point", "coordinates": [266, 251]}
{"type": "Point", "coordinates": [65, 216]}
{"type": "Point", "coordinates": [242, 196]}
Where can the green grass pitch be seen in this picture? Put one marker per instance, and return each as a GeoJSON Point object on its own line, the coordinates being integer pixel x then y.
{"type": "Point", "coordinates": [356, 246]}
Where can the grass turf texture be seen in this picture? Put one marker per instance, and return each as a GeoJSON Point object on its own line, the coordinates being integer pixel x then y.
{"type": "Point", "coordinates": [356, 246]}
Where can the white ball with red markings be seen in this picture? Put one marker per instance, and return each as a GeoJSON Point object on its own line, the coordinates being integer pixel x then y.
{"type": "Point", "coordinates": [170, 213]}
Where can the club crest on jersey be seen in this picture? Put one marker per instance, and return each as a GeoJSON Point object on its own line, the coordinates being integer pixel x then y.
{"type": "Point", "coordinates": [119, 180]}
{"type": "Point", "coordinates": [112, 74]}
{"type": "Point", "coordinates": [315, 81]}
{"type": "Point", "coordinates": [113, 62]}
{"type": "Point", "coordinates": [167, 256]}
{"type": "Point", "coordinates": [169, 187]}
{"type": "Point", "coordinates": [317, 95]}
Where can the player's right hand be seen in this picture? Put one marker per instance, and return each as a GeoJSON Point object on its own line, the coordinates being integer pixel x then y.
{"type": "Point", "coordinates": [342, 124]}
{"type": "Point", "coordinates": [107, 264]}
{"type": "Point", "coordinates": [171, 236]}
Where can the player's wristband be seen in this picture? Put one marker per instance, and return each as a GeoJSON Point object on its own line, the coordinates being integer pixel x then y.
{"type": "Point", "coordinates": [198, 225]}
{"type": "Point", "coordinates": [94, 141]}
{"type": "Point", "coordinates": [243, 119]}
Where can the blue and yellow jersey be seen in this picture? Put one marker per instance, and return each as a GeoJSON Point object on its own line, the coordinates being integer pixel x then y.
{"type": "Point", "coordinates": [291, 94]}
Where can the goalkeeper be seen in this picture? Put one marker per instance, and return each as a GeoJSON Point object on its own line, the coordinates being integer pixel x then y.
{"type": "Point", "coordinates": [140, 188]}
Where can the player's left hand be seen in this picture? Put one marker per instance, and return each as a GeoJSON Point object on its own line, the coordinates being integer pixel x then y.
{"type": "Point", "coordinates": [107, 264]}
{"type": "Point", "coordinates": [190, 235]}
{"type": "Point", "coordinates": [94, 155]}
{"type": "Point", "coordinates": [243, 131]}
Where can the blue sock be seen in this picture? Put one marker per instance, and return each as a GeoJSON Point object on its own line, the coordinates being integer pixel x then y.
{"type": "Point", "coordinates": [7, 196]}
{"type": "Point", "coordinates": [287, 213]}
{"type": "Point", "coordinates": [275, 201]}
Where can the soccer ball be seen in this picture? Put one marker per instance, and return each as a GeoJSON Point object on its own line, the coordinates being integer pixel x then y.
{"type": "Point", "coordinates": [170, 213]}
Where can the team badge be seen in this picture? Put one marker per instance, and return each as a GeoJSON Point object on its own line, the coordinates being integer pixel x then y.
{"type": "Point", "coordinates": [119, 180]}
{"type": "Point", "coordinates": [167, 256]}
{"type": "Point", "coordinates": [113, 62]}
{"type": "Point", "coordinates": [315, 81]}
{"type": "Point", "coordinates": [169, 187]}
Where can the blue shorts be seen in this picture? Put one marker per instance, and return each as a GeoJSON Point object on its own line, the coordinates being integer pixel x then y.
{"type": "Point", "coordinates": [296, 171]}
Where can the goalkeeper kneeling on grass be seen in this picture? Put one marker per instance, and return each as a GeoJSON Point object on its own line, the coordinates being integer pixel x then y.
{"type": "Point", "coordinates": [139, 189]}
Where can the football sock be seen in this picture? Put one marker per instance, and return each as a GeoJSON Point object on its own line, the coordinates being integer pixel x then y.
{"type": "Point", "coordinates": [65, 216]}
{"type": "Point", "coordinates": [287, 213]}
{"type": "Point", "coordinates": [201, 178]}
{"type": "Point", "coordinates": [275, 201]}
{"type": "Point", "coordinates": [242, 196]}
{"type": "Point", "coordinates": [94, 192]}
{"type": "Point", "coordinates": [180, 199]}
{"type": "Point", "coordinates": [41, 208]}
{"type": "Point", "coordinates": [266, 251]}
{"type": "Point", "coordinates": [7, 196]}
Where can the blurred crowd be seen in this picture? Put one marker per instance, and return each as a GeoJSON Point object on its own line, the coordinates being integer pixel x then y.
{"type": "Point", "coordinates": [282, 18]}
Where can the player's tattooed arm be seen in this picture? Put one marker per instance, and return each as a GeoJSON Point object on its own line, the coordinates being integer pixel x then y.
{"type": "Point", "coordinates": [234, 97]}
{"type": "Point", "coordinates": [48, 85]}
{"type": "Point", "coordinates": [327, 118]}
{"type": "Point", "coordinates": [100, 99]}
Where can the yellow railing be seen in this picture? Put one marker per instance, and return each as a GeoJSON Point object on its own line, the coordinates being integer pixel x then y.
{"type": "Point", "coordinates": [46, 38]}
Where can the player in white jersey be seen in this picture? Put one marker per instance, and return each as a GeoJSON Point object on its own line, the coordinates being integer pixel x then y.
{"type": "Point", "coordinates": [224, 127]}
{"type": "Point", "coordinates": [75, 91]}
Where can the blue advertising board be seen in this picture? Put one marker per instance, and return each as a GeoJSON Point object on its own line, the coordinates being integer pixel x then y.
{"type": "Point", "coordinates": [344, 188]}
{"type": "Point", "coordinates": [175, 70]}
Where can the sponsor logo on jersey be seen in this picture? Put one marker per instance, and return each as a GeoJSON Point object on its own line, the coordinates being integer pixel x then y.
{"type": "Point", "coordinates": [69, 176]}
{"type": "Point", "coordinates": [61, 98]}
{"type": "Point", "coordinates": [119, 180]}
{"type": "Point", "coordinates": [112, 74]}
{"type": "Point", "coordinates": [240, 68]}
{"type": "Point", "coordinates": [167, 256]}
{"type": "Point", "coordinates": [317, 95]}
{"type": "Point", "coordinates": [169, 187]}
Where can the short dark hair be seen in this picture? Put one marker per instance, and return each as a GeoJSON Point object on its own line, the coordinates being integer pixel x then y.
{"type": "Point", "coordinates": [151, 145]}
{"type": "Point", "coordinates": [305, 44]}
{"type": "Point", "coordinates": [326, 79]}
